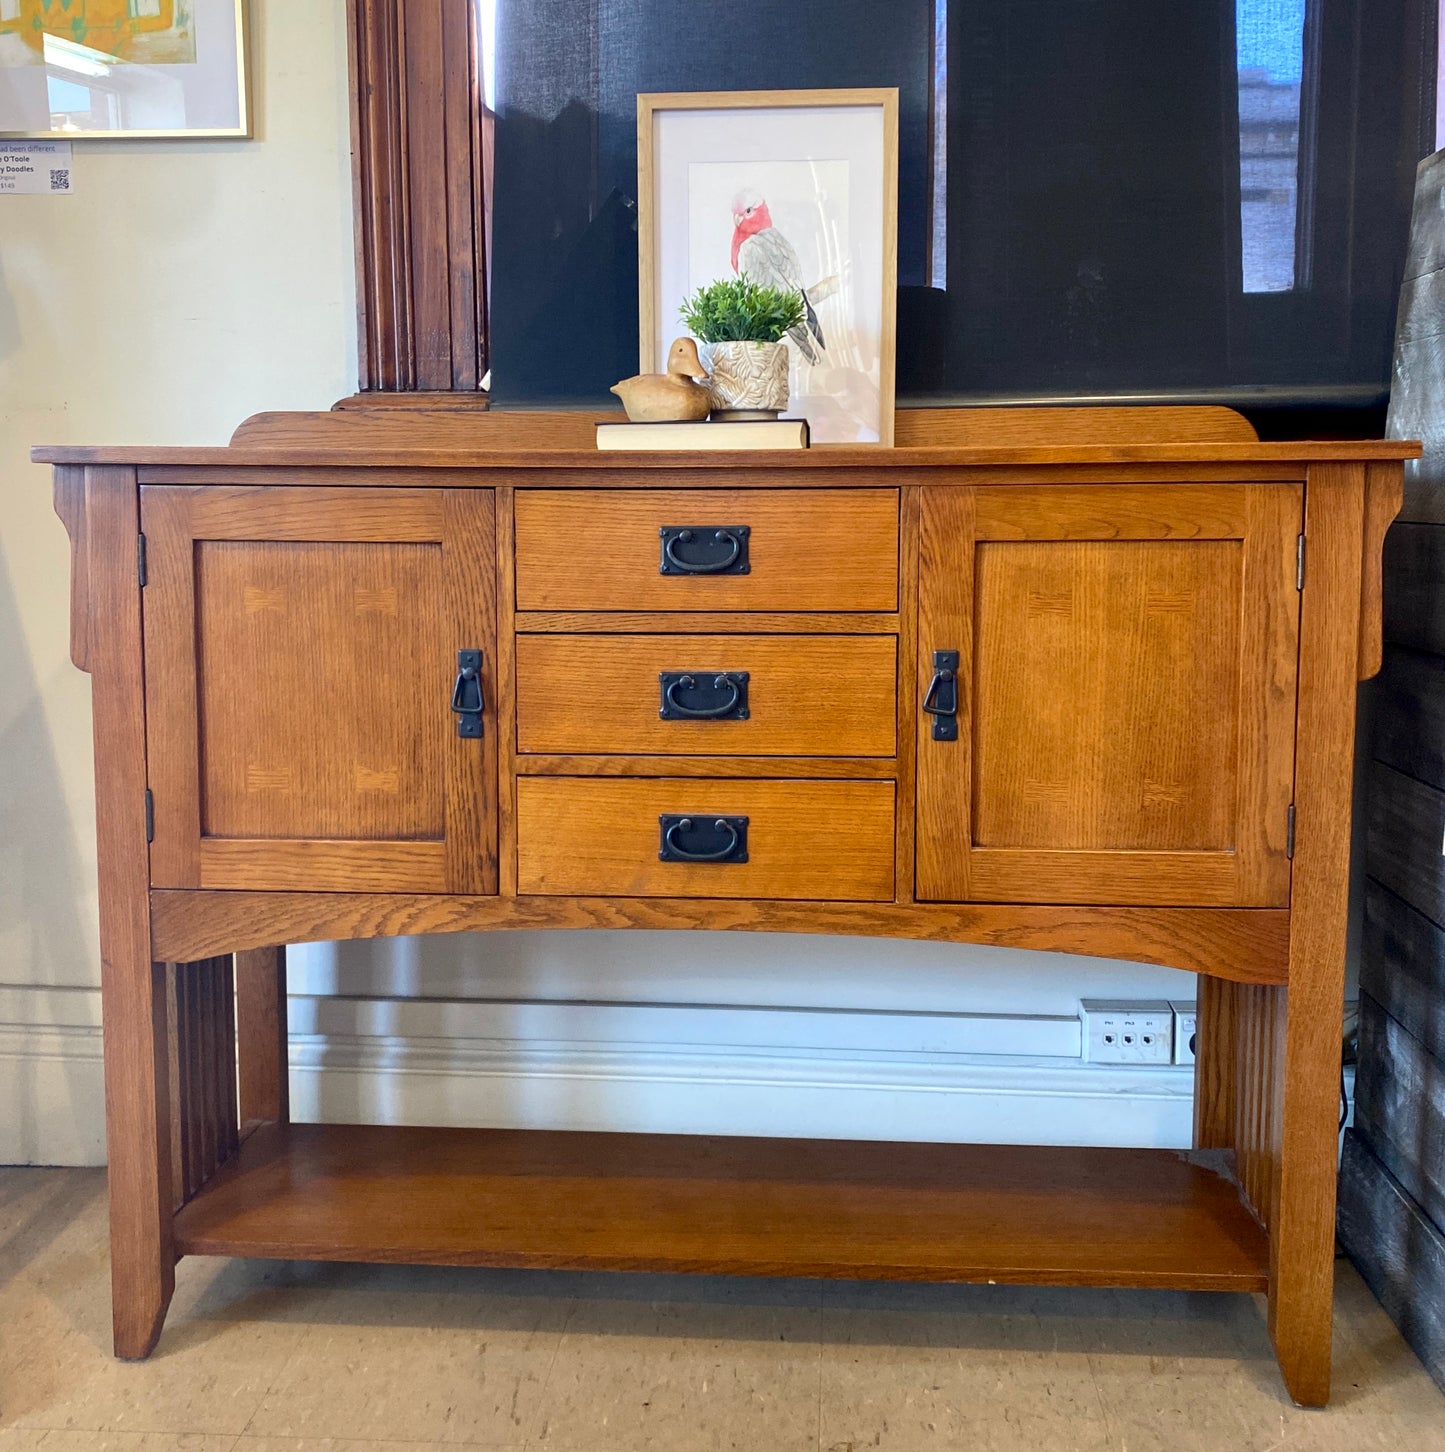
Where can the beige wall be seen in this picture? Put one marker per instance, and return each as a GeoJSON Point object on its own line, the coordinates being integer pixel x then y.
{"type": "Point", "coordinates": [183, 286]}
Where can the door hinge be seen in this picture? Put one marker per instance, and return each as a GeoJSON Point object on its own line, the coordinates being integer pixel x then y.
{"type": "Point", "coordinates": [1289, 834]}
{"type": "Point", "coordinates": [140, 560]}
{"type": "Point", "coordinates": [1299, 563]}
{"type": "Point", "coordinates": [150, 816]}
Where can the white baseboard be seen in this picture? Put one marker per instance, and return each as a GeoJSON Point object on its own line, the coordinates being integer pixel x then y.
{"type": "Point", "coordinates": [52, 1080]}
{"type": "Point", "coordinates": [642, 1067]}
{"type": "Point", "coordinates": [674, 1069]}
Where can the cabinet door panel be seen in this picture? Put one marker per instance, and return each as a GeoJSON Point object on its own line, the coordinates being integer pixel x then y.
{"type": "Point", "coordinates": [301, 646]}
{"type": "Point", "coordinates": [1126, 694]}
{"type": "Point", "coordinates": [337, 744]}
{"type": "Point", "coordinates": [1103, 758]}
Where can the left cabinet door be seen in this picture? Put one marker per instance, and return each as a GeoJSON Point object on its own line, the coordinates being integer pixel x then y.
{"type": "Point", "coordinates": [301, 652]}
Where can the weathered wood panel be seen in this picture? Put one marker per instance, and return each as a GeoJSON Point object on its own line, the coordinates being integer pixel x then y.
{"type": "Point", "coordinates": [1398, 1251]}
{"type": "Point", "coordinates": [1410, 714]}
{"type": "Point", "coordinates": [1400, 1107]}
{"type": "Point", "coordinates": [1414, 600]}
{"type": "Point", "coordinates": [1402, 966]}
{"type": "Point", "coordinates": [1406, 825]}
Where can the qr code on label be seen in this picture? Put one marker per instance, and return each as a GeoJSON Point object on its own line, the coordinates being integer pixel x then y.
{"type": "Point", "coordinates": [59, 180]}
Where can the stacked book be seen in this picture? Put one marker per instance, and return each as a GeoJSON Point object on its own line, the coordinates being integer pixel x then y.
{"type": "Point", "coordinates": [780, 433]}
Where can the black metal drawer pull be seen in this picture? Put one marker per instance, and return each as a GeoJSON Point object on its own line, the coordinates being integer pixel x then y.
{"type": "Point", "coordinates": [704, 549]}
{"type": "Point", "coordinates": [941, 698]}
{"type": "Point", "coordinates": [467, 699]}
{"type": "Point", "coordinates": [686, 695]}
{"type": "Point", "coordinates": [697, 839]}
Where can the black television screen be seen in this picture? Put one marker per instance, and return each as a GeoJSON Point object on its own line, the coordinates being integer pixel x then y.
{"type": "Point", "coordinates": [1202, 201]}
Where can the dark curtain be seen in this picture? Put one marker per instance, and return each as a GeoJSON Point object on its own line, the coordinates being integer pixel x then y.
{"type": "Point", "coordinates": [1089, 209]}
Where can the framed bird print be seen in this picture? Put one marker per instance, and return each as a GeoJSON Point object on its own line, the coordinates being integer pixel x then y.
{"type": "Point", "coordinates": [796, 190]}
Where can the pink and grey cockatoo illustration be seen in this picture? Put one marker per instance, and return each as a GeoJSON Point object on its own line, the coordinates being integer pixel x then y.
{"type": "Point", "coordinates": [764, 255]}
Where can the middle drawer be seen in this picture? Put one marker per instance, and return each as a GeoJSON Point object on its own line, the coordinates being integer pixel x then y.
{"type": "Point", "coordinates": [728, 695]}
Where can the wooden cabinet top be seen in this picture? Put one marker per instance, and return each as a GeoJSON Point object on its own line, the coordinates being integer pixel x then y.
{"type": "Point", "coordinates": [757, 462]}
{"type": "Point", "coordinates": [960, 439]}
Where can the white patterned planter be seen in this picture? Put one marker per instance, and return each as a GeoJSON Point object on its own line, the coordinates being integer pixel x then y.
{"type": "Point", "coordinates": [749, 380]}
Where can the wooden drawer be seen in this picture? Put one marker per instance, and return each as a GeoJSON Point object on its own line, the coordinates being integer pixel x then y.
{"type": "Point", "coordinates": [807, 549]}
{"type": "Point", "coordinates": [805, 695]}
{"type": "Point", "coordinates": [808, 840]}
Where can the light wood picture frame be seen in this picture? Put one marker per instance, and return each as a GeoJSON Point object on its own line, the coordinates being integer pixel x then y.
{"type": "Point", "coordinates": [706, 161]}
{"type": "Point", "coordinates": [176, 69]}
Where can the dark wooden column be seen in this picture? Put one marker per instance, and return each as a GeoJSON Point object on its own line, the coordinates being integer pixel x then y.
{"type": "Point", "coordinates": [419, 144]}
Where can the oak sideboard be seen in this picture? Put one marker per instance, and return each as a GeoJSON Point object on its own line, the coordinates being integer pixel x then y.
{"type": "Point", "coordinates": [1077, 680]}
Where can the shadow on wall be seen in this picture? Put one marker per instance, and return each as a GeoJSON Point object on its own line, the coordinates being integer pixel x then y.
{"type": "Point", "coordinates": [46, 900]}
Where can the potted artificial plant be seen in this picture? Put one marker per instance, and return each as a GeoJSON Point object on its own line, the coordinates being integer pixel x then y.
{"type": "Point", "coordinates": [741, 326]}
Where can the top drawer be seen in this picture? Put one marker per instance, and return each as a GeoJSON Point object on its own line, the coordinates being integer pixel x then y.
{"type": "Point", "coordinates": [747, 549]}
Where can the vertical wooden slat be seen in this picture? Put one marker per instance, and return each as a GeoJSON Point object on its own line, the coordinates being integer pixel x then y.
{"type": "Point", "coordinates": [230, 1127]}
{"type": "Point", "coordinates": [220, 1073]}
{"type": "Point", "coordinates": [190, 1052]}
{"type": "Point", "coordinates": [209, 1039]}
{"type": "Point", "coordinates": [179, 1190]}
{"type": "Point", "coordinates": [207, 1111]}
{"type": "Point", "coordinates": [264, 1095]}
{"type": "Point", "coordinates": [185, 1047]}
{"type": "Point", "coordinates": [1249, 1095]}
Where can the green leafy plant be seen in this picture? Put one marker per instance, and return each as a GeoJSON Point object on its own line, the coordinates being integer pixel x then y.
{"type": "Point", "coordinates": [738, 311]}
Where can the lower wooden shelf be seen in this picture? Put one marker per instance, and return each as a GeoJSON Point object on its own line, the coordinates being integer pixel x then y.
{"type": "Point", "coordinates": [925, 1212]}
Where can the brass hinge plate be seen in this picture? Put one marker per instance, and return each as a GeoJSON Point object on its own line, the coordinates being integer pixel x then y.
{"type": "Point", "coordinates": [1299, 563]}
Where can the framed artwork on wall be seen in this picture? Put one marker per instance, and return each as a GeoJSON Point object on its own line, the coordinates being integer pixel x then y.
{"type": "Point", "coordinates": [123, 69]}
{"type": "Point", "coordinates": [792, 189]}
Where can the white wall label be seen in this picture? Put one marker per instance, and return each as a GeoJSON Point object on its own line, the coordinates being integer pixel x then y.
{"type": "Point", "coordinates": [36, 166]}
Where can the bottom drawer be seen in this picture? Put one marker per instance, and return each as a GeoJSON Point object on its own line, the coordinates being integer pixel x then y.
{"type": "Point", "coordinates": [810, 840]}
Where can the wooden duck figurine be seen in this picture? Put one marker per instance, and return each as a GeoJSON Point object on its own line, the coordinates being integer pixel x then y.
{"type": "Point", "coordinates": [667, 397]}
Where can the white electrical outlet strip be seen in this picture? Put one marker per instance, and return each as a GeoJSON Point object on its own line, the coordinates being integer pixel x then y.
{"type": "Point", "coordinates": [1116, 1032]}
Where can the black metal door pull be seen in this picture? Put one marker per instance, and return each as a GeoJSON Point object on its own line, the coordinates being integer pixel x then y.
{"type": "Point", "coordinates": [721, 839]}
{"type": "Point", "coordinates": [687, 695]}
{"type": "Point", "coordinates": [704, 549]}
{"type": "Point", "coordinates": [467, 699]}
{"type": "Point", "coordinates": [941, 698]}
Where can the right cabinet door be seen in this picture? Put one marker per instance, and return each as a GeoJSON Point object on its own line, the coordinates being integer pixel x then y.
{"type": "Point", "coordinates": [1125, 693]}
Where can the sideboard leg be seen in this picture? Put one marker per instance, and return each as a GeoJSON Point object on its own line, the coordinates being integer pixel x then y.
{"type": "Point", "coordinates": [1302, 1235]}
{"type": "Point", "coordinates": [138, 1145]}
{"type": "Point", "coordinates": [1307, 1070]}
{"type": "Point", "coordinates": [265, 1090]}
{"type": "Point", "coordinates": [133, 988]}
